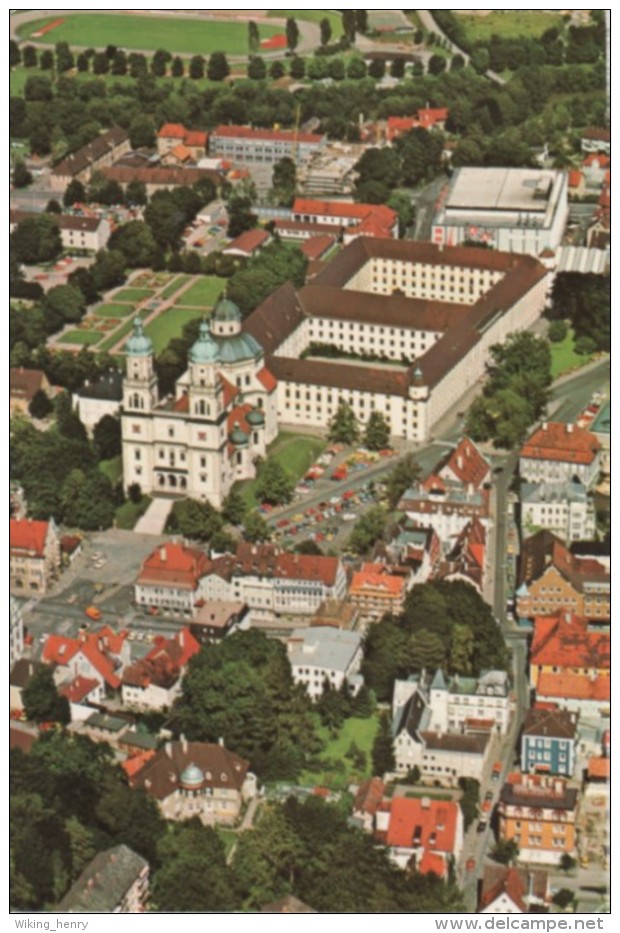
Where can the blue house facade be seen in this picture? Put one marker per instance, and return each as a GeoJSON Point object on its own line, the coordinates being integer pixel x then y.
{"type": "Point", "coordinates": [548, 742]}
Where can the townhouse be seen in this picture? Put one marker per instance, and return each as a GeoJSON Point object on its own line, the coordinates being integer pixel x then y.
{"type": "Point", "coordinates": [34, 555]}
{"type": "Point", "coordinates": [558, 453]}
{"type": "Point", "coordinates": [421, 833]}
{"type": "Point", "coordinates": [564, 508]}
{"type": "Point", "coordinates": [154, 682]}
{"type": "Point", "coordinates": [548, 741]}
{"type": "Point", "coordinates": [539, 812]}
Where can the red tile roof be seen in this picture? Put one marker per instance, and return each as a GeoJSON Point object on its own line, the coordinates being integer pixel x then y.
{"type": "Point", "coordinates": [511, 884]}
{"type": "Point", "coordinates": [196, 138]}
{"type": "Point", "coordinates": [100, 648]}
{"type": "Point", "coordinates": [164, 664]}
{"type": "Point", "coordinates": [561, 442]}
{"type": "Point", "coordinates": [597, 158]}
{"type": "Point", "coordinates": [369, 796]}
{"type": "Point", "coordinates": [25, 383]}
{"type": "Point", "coordinates": [431, 862]}
{"type": "Point", "coordinates": [248, 242]}
{"type": "Point", "coordinates": [575, 177]}
{"type": "Point", "coordinates": [317, 246]}
{"type": "Point", "coordinates": [181, 153]}
{"type": "Point", "coordinates": [600, 133]}
{"type": "Point", "coordinates": [172, 130]}
{"type": "Point", "coordinates": [78, 689]}
{"type": "Point", "coordinates": [248, 132]}
{"type": "Point", "coordinates": [28, 536]}
{"type": "Point", "coordinates": [230, 391]}
{"type": "Point", "coordinates": [574, 687]}
{"type": "Point", "coordinates": [436, 819]}
{"type": "Point", "coordinates": [174, 565]}
{"type": "Point", "coordinates": [466, 464]}
{"type": "Point", "coordinates": [370, 580]}
{"type": "Point", "coordinates": [267, 379]}
{"type": "Point", "coordinates": [599, 768]}
{"type": "Point", "coordinates": [136, 762]}
{"type": "Point", "coordinates": [565, 641]}
{"type": "Point", "coordinates": [372, 219]}
{"type": "Point", "coordinates": [236, 418]}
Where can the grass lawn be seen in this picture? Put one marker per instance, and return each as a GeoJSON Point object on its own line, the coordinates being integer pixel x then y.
{"type": "Point", "coordinates": [227, 836]}
{"type": "Point", "coordinates": [170, 324]}
{"type": "Point", "coordinates": [118, 334]}
{"type": "Point", "coordinates": [113, 310]}
{"type": "Point", "coordinates": [174, 286]}
{"type": "Point", "coordinates": [85, 337]}
{"type": "Point", "coordinates": [564, 358]}
{"type": "Point", "coordinates": [113, 468]}
{"type": "Point", "coordinates": [312, 16]}
{"type": "Point", "coordinates": [203, 293]}
{"type": "Point", "coordinates": [148, 33]}
{"type": "Point", "coordinates": [296, 453]}
{"type": "Point", "coordinates": [17, 79]}
{"type": "Point", "coordinates": [509, 24]}
{"type": "Point", "coordinates": [129, 512]}
{"type": "Point", "coordinates": [133, 294]}
{"type": "Point", "coordinates": [360, 731]}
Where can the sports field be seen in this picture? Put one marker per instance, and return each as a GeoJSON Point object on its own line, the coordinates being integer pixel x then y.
{"type": "Point", "coordinates": [148, 33]}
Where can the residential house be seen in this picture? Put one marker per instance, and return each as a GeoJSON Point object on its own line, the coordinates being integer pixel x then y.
{"type": "Point", "coordinates": [427, 118]}
{"type": "Point", "coordinates": [34, 555]}
{"type": "Point", "coordinates": [467, 559]}
{"type": "Point", "coordinates": [77, 233]}
{"type": "Point", "coordinates": [548, 741]}
{"type": "Point", "coordinates": [507, 889]}
{"type": "Point", "coordinates": [172, 135]}
{"type": "Point", "coordinates": [539, 813]}
{"type": "Point", "coordinates": [596, 139]}
{"type": "Point", "coordinates": [421, 833]}
{"type": "Point", "coordinates": [564, 508]}
{"type": "Point", "coordinates": [445, 507]}
{"type": "Point", "coordinates": [16, 631]}
{"type": "Point", "coordinates": [180, 156]}
{"type": "Point", "coordinates": [559, 453]}
{"type": "Point", "coordinates": [169, 579]}
{"type": "Point", "coordinates": [320, 655]}
{"type": "Point", "coordinates": [82, 693]}
{"type": "Point", "coordinates": [377, 589]}
{"type": "Point", "coordinates": [23, 386]}
{"type": "Point", "coordinates": [99, 655]}
{"type": "Point", "coordinates": [114, 882]}
{"type": "Point", "coordinates": [196, 779]}
{"type": "Point", "coordinates": [248, 244]}
{"type": "Point", "coordinates": [465, 465]}
{"type": "Point", "coordinates": [22, 672]}
{"type": "Point", "coordinates": [216, 619]}
{"type": "Point", "coordinates": [368, 799]}
{"type": "Point", "coordinates": [567, 644]}
{"type": "Point", "coordinates": [594, 168]}
{"type": "Point", "coordinates": [100, 153]}
{"type": "Point", "coordinates": [576, 183]}
{"type": "Point", "coordinates": [411, 546]}
{"type": "Point", "coordinates": [551, 579]}
{"type": "Point", "coordinates": [154, 682]}
{"type": "Point", "coordinates": [99, 398]}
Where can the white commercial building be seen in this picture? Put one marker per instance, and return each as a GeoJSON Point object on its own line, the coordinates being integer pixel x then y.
{"type": "Point", "coordinates": [321, 654]}
{"type": "Point", "coordinates": [563, 508]}
{"type": "Point", "coordinates": [520, 210]}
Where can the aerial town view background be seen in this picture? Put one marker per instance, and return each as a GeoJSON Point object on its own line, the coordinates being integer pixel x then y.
{"type": "Point", "coordinates": [310, 461]}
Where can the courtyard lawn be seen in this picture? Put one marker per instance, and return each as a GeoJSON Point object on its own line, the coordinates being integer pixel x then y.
{"type": "Point", "coordinates": [113, 310]}
{"type": "Point", "coordinates": [149, 32]}
{"type": "Point", "coordinates": [564, 358]}
{"type": "Point", "coordinates": [203, 293]}
{"type": "Point", "coordinates": [129, 512]}
{"type": "Point", "coordinates": [177, 283]}
{"type": "Point", "coordinates": [339, 771]}
{"type": "Point", "coordinates": [508, 24]}
{"type": "Point", "coordinates": [113, 468]}
{"type": "Point", "coordinates": [133, 294]}
{"type": "Point", "coordinates": [170, 324]}
{"type": "Point", "coordinates": [84, 337]}
{"type": "Point", "coordinates": [295, 452]}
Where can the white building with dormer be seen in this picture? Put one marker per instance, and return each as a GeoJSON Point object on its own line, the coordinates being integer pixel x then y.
{"type": "Point", "coordinates": [206, 436]}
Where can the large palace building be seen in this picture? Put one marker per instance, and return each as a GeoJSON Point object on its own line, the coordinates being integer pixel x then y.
{"type": "Point", "coordinates": [428, 315]}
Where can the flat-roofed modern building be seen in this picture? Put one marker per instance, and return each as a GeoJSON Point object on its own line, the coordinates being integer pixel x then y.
{"type": "Point", "coordinates": [520, 210]}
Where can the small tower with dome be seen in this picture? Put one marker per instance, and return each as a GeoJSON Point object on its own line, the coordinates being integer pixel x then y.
{"type": "Point", "coordinates": [140, 384]}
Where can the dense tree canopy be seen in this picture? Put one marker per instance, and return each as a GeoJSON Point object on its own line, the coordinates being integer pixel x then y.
{"type": "Point", "coordinates": [36, 239]}
{"type": "Point", "coordinates": [585, 300]}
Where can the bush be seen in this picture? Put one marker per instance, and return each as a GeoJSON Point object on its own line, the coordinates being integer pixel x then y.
{"type": "Point", "coordinates": [557, 331]}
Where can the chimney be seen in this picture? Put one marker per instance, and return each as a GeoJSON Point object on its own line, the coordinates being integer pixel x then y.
{"type": "Point", "coordinates": [569, 428]}
{"type": "Point", "coordinates": [459, 462]}
{"type": "Point", "coordinates": [182, 638]}
{"type": "Point", "coordinates": [168, 747]}
{"type": "Point", "coordinates": [220, 742]}
{"type": "Point", "coordinates": [162, 554]}
{"type": "Point", "coordinates": [184, 745]}
{"type": "Point", "coordinates": [545, 425]}
{"type": "Point", "coordinates": [425, 803]}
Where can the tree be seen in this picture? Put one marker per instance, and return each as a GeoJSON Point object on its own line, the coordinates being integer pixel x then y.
{"type": "Point", "coordinates": [308, 546]}
{"type": "Point", "coordinates": [135, 241]}
{"type": "Point", "coordinates": [21, 176]}
{"type": "Point", "coordinates": [292, 33]}
{"type": "Point", "coordinates": [361, 21]}
{"type": "Point", "coordinates": [368, 530]}
{"type": "Point", "coordinates": [255, 528]}
{"type": "Point", "coordinates": [470, 799]}
{"type": "Point", "coordinates": [426, 651]}
{"type": "Point", "coordinates": [36, 239]}
{"type": "Point", "coordinates": [135, 194]}
{"type": "Point", "coordinates": [383, 759]}
{"type": "Point", "coordinates": [505, 851]}
{"type": "Point", "coordinates": [377, 432]}
{"type": "Point", "coordinates": [397, 68]}
{"type": "Point", "coordinates": [557, 331]}
{"type": "Point", "coordinates": [343, 427]}
{"type": "Point", "coordinates": [159, 62]}
{"type": "Point", "coordinates": [436, 65]}
{"type": "Point", "coordinates": [240, 215]}
{"type": "Point", "coordinates": [584, 346]}
{"type": "Point", "coordinates": [298, 68]}
{"type": "Point", "coordinates": [234, 508]}
{"type": "Point", "coordinates": [274, 484]}
{"type": "Point", "coordinates": [178, 67]}
{"type": "Point", "coordinates": [564, 898]}
{"type": "Point", "coordinates": [257, 69]}
{"type": "Point", "coordinates": [377, 69]}
{"type": "Point", "coordinates": [46, 60]}
{"type": "Point", "coordinates": [138, 66]}
{"type": "Point", "coordinates": [196, 520]}
{"type": "Point", "coordinates": [349, 24]}
{"type": "Point", "coordinates": [82, 62]}
{"type": "Point", "coordinates": [218, 68]}
{"type": "Point", "coordinates": [64, 57]}
{"type": "Point", "coordinates": [42, 702]}
{"type": "Point", "coordinates": [197, 67]}
{"type": "Point", "coordinates": [101, 63]}
{"type": "Point", "coordinates": [108, 269]}
{"type": "Point", "coordinates": [107, 437]}
{"type": "Point", "coordinates": [253, 37]}
{"type": "Point", "coordinates": [283, 181]}
{"type": "Point", "coordinates": [276, 70]}
{"type": "Point", "coordinates": [53, 207]}
{"type": "Point", "coordinates": [567, 862]}
{"type": "Point", "coordinates": [30, 56]}
{"type": "Point", "coordinates": [14, 54]}
{"type": "Point", "coordinates": [193, 876]}
{"type": "Point", "coordinates": [457, 62]}
{"type": "Point", "coordinates": [65, 302]}
{"type": "Point", "coordinates": [326, 31]}
{"type": "Point", "coordinates": [75, 193]}
{"type": "Point", "coordinates": [142, 132]}
{"type": "Point", "coordinates": [40, 407]}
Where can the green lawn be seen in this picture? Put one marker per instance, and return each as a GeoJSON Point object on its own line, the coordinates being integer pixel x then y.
{"type": "Point", "coordinates": [129, 512]}
{"type": "Point", "coordinates": [564, 358]}
{"type": "Point", "coordinates": [174, 286]}
{"type": "Point", "coordinates": [118, 334]}
{"type": "Point", "coordinates": [17, 79]}
{"type": "Point", "coordinates": [148, 33]}
{"type": "Point", "coordinates": [170, 324]}
{"type": "Point", "coordinates": [360, 731]}
{"type": "Point", "coordinates": [508, 24]}
{"type": "Point", "coordinates": [113, 310]}
{"type": "Point", "coordinates": [296, 453]}
{"type": "Point", "coordinates": [85, 337]}
{"type": "Point", "coordinates": [133, 294]}
{"type": "Point", "coordinates": [312, 16]}
{"type": "Point", "coordinates": [113, 468]}
{"type": "Point", "coordinates": [203, 293]}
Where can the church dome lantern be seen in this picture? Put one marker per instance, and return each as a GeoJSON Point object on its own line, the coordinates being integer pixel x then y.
{"type": "Point", "coordinates": [138, 344]}
{"type": "Point", "coordinates": [205, 350]}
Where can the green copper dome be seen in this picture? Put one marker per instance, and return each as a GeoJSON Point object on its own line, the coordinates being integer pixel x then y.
{"type": "Point", "coordinates": [237, 348]}
{"type": "Point", "coordinates": [226, 310]}
{"type": "Point", "coordinates": [238, 437]}
{"type": "Point", "coordinates": [205, 350]}
{"type": "Point", "coordinates": [192, 776]}
{"type": "Point", "coordinates": [138, 344]}
{"type": "Point", "coordinates": [255, 418]}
